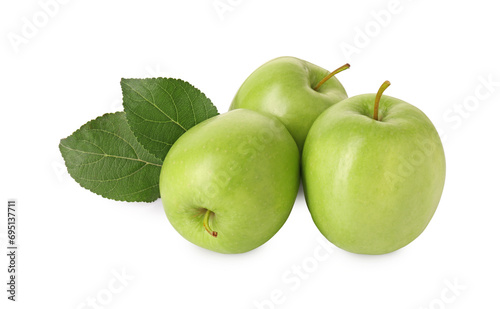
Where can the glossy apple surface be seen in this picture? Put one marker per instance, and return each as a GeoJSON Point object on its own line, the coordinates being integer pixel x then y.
{"type": "Point", "coordinates": [284, 88]}
{"type": "Point", "coordinates": [372, 186]}
{"type": "Point", "coordinates": [229, 183]}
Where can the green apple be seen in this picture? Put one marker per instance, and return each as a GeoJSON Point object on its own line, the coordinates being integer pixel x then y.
{"type": "Point", "coordinates": [293, 90]}
{"type": "Point", "coordinates": [373, 173]}
{"type": "Point", "coordinates": [229, 183]}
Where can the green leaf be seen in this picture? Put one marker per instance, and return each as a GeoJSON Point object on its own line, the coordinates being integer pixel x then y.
{"type": "Point", "coordinates": [160, 110]}
{"type": "Point", "coordinates": [105, 157]}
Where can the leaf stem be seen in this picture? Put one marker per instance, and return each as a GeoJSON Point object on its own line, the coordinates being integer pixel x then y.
{"type": "Point", "coordinates": [377, 98]}
{"type": "Point", "coordinates": [342, 68]}
{"type": "Point", "coordinates": [205, 223]}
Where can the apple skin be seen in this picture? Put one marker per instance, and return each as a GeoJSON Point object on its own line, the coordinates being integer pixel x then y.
{"type": "Point", "coordinates": [283, 88]}
{"type": "Point", "coordinates": [242, 166]}
{"type": "Point", "coordinates": [372, 186]}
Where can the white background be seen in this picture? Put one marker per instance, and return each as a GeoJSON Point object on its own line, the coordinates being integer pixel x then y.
{"type": "Point", "coordinates": [73, 242]}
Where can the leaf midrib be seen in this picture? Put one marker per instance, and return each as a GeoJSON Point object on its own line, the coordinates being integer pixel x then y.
{"type": "Point", "coordinates": [171, 119]}
{"type": "Point", "coordinates": [109, 155]}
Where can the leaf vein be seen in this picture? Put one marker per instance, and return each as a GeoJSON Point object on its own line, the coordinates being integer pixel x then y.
{"type": "Point", "coordinates": [149, 101]}
{"type": "Point", "coordinates": [112, 179]}
{"type": "Point", "coordinates": [109, 155]}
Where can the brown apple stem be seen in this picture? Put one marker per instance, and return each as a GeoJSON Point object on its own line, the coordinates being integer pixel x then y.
{"type": "Point", "coordinates": [205, 224]}
{"type": "Point", "coordinates": [377, 98]}
{"type": "Point", "coordinates": [342, 68]}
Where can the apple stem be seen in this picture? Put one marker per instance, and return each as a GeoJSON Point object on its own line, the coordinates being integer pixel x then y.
{"type": "Point", "coordinates": [205, 223]}
{"type": "Point", "coordinates": [342, 68]}
{"type": "Point", "coordinates": [377, 98]}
